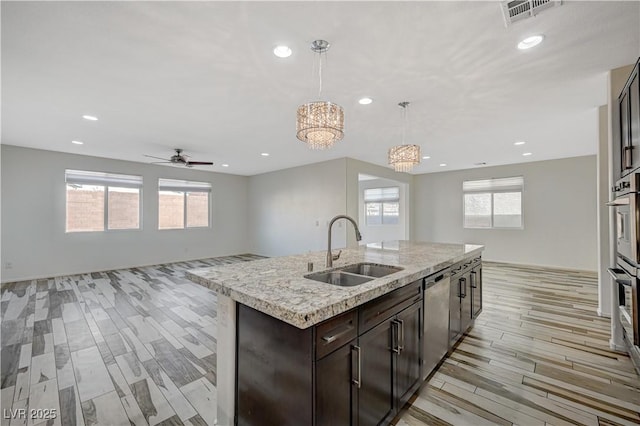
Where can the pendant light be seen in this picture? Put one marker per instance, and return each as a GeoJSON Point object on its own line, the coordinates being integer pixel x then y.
{"type": "Point", "coordinates": [321, 123]}
{"type": "Point", "coordinates": [403, 157]}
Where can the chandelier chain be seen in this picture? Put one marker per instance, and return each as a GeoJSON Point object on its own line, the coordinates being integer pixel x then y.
{"type": "Point", "coordinates": [320, 76]}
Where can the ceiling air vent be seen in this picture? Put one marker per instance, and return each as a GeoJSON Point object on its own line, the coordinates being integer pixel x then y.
{"type": "Point", "coordinates": [517, 10]}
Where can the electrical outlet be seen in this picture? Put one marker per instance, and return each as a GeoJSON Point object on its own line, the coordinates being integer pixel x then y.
{"type": "Point", "coordinates": [8, 265]}
{"type": "Point", "coordinates": [317, 222]}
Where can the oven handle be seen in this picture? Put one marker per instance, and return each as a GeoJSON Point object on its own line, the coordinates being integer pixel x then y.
{"type": "Point", "coordinates": [620, 276]}
{"type": "Point", "coordinates": [616, 204]}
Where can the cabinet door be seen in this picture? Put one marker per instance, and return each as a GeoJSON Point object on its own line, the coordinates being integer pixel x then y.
{"type": "Point", "coordinates": [454, 309]}
{"type": "Point", "coordinates": [465, 302]}
{"type": "Point", "coordinates": [476, 291]}
{"type": "Point", "coordinates": [634, 119]}
{"type": "Point", "coordinates": [625, 147]}
{"type": "Point", "coordinates": [334, 387]}
{"type": "Point", "coordinates": [375, 395]}
{"type": "Point", "coordinates": [409, 343]}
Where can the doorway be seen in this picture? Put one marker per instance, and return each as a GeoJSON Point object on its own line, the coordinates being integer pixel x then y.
{"type": "Point", "coordinates": [382, 209]}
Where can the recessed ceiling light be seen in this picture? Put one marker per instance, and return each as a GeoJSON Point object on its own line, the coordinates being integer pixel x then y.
{"type": "Point", "coordinates": [530, 42]}
{"type": "Point", "coordinates": [443, 164]}
{"type": "Point", "coordinates": [90, 117]}
{"type": "Point", "coordinates": [519, 143]}
{"type": "Point", "coordinates": [526, 154]}
{"type": "Point", "coordinates": [265, 154]}
{"type": "Point", "coordinates": [282, 51]}
{"type": "Point", "coordinates": [426, 157]}
{"type": "Point", "coordinates": [225, 165]}
{"type": "Point", "coordinates": [365, 101]}
{"type": "Point", "coordinates": [77, 142]}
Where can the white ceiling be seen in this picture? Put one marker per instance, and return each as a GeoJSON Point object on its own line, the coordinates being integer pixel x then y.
{"type": "Point", "coordinates": [202, 76]}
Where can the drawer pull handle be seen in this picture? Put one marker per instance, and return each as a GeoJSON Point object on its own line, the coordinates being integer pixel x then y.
{"type": "Point", "coordinates": [358, 381]}
{"type": "Point", "coordinates": [620, 276]}
{"type": "Point", "coordinates": [401, 343]}
{"type": "Point", "coordinates": [395, 336]}
{"type": "Point", "coordinates": [338, 333]}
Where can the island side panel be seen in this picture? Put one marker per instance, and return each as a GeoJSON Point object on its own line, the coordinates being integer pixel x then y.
{"type": "Point", "coordinates": [275, 371]}
{"type": "Point", "coordinates": [226, 361]}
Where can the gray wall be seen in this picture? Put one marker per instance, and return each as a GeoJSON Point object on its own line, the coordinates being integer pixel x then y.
{"type": "Point", "coordinates": [291, 208]}
{"type": "Point", "coordinates": [33, 218]}
{"type": "Point", "coordinates": [559, 213]}
{"type": "Point", "coordinates": [284, 212]}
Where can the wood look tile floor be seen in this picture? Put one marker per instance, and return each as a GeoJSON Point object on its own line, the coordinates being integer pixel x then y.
{"type": "Point", "coordinates": [127, 347]}
{"type": "Point", "coordinates": [138, 347]}
{"type": "Point", "coordinates": [537, 355]}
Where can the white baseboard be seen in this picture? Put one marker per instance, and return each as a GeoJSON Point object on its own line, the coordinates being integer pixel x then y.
{"type": "Point", "coordinates": [617, 347]}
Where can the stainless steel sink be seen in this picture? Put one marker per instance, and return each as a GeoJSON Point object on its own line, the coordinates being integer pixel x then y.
{"type": "Point", "coordinates": [339, 278]}
{"type": "Point", "coordinates": [371, 269]}
{"type": "Point", "coordinates": [352, 275]}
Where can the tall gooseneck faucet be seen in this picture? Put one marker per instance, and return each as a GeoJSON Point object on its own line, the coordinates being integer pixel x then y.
{"type": "Point", "coordinates": [330, 256]}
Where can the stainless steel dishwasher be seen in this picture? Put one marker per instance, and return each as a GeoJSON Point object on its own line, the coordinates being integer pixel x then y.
{"type": "Point", "coordinates": [436, 320]}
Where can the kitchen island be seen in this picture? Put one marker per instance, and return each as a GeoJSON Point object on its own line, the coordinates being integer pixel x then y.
{"type": "Point", "coordinates": [277, 329]}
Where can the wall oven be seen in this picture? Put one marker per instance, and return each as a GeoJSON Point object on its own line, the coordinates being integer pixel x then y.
{"type": "Point", "coordinates": [626, 217]}
{"type": "Point", "coordinates": [626, 277]}
{"type": "Point", "coordinates": [626, 205]}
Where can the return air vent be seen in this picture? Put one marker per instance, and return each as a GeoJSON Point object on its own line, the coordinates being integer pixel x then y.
{"type": "Point", "coordinates": [517, 10]}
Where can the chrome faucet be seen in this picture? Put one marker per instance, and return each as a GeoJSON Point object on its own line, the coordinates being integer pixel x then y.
{"type": "Point", "coordinates": [330, 256]}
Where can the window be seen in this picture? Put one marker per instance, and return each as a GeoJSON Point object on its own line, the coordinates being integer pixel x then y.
{"type": "Point", "coordinates": [183, 204]}
{"type": "Point", "coordinates": [493, 203]}
{"type": "Point", "coordinates": [382, 206]}
{"type": "Point", "coordinates": [97, 201]}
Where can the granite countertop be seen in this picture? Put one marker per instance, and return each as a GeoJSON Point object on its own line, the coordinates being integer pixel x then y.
{"type": "Point", "coordinates": [277, 287]}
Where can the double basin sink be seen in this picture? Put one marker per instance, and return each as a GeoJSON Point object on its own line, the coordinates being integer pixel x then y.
{"type": "Point", "coordinates": [352, 275]}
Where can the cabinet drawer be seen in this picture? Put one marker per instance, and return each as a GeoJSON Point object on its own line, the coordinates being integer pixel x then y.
{"type": "Point", "coordinates": [376, 311]}
{"type": "Point", "coordinates": [332, 334]}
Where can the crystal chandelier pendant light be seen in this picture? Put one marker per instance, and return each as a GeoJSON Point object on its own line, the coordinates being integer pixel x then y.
{"type": "Point", "coordinates": [404, 157]}
{"type": "Point", "coordinates": [321, 123]}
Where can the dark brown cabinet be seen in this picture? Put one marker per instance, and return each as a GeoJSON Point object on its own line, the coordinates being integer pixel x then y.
{"type": "Point", "coordinates": [375, 394]}
{"type": "Point", "coordinates": [408, 354]}
{"type": "Point", "coordinates": [358, 368]}
{"type": "Point", "coordinates": [390, 354]}
{"type": "Point", "coordinates": [476, 290]}
{"type": "Point", "coordinates": [465, 301]}
{"type": "Point", "coordinates": [634, 117]}
{"type": "Point", "coordinates": [335, 387]}
{"type": "Point", "coordinates": [628, 129]}
{"type": "Point", "coordinates": [465, 297]}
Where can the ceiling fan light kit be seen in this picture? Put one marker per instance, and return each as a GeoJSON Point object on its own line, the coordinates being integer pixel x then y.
{"type": "Point", "coordinates": [180, 159]}
{"type": "Point", "coordinates": [321, 123]}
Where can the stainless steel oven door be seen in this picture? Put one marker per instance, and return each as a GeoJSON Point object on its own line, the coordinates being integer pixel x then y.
{"type": "Point", "coordinates": [625, 277]}
{"type": "Point", "coordinates": [625, 212]}
{"type": "Point", "coordinates": [626, 312]}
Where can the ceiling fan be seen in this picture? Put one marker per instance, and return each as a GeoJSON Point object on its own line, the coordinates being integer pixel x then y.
{"type": "Point", "coordinates": [181, 159]}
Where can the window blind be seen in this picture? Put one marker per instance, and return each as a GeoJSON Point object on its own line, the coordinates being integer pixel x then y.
{"type": "Point", "coordinates": [183, 185]}
{"type": "Point", "coordinates": [499, 184]}
{"type": "Point", "coordinates": [382, 194]}
{"type": "Point", "coordinates": [82, 177]}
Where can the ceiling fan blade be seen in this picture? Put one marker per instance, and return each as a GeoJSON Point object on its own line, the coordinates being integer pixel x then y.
{"type": "Point", "coordinates": [161, 162]}
{"type": "Point", "coordinates": [159, 158]}
{"type": "Point", "coordinates": [200, 163]}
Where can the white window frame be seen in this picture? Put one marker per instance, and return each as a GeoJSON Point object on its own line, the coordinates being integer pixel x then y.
{"type": "Point", "coordinates": [105, 180]}
{"type": "Point", "coordinates": [185, 187]}
{"type": "Point", "coordinates": [381, 199]}
{"type": "Point", "coordinates": [493, 186]}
